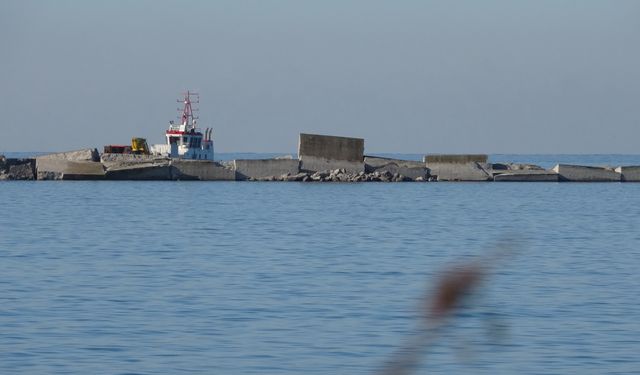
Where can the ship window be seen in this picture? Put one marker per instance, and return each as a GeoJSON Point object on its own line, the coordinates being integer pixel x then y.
{"type": "Point", "coordinates": [185, 140]}
{"type": "Point", "coordinates": [173, 140]}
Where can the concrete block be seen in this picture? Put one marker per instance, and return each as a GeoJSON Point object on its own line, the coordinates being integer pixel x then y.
{"type": "Point", "coordinates": [202, 170]}
{"type": "Point", "coordinates": [261, 168]}
{"type": "Point", "coordinates": [629, 173]}
{"type": "Point", "coordinates": [331, 147]}
{"type": "Point", "coordinates": [136, 167]}
{"type": "Point", "coordinates": [63, 169]}
{"type": "Point", "coordinates": [579, 173]}
{"type": "Point", "coordinates": [407, 168]}
{"type": "Point", "coordinates": [527, 176]}
{"type": "Point", "coordinates": [141, 172]}
{"type": "Point", "coordinates": [456, 158]}
{"type": "Point", "coordinates": [316, 164]}
{"type": "Point", "coordinates": [87, 154]}
{"type": "Point", "coordinates": [460, 171]}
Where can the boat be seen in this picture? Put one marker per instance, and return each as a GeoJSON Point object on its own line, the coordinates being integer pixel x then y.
{"type": "Point", "coordinates": [184, 140]}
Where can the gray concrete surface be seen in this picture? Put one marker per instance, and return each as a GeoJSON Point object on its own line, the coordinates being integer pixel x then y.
{"type": "Point", "coordinates": [202, 170]}
{"type": "Point", "coordinates": [460, 171]}
{"type": "Point", "coordinates": [331, 147]}
{"type": "Point", "coordinates": [579, 173]}
{"type": "Point", "coordinates": [456, 158]}
{"type": "Point", "coordinates": [527, 176]}
{"type": "Point", "coordinates": [64, 169]}
{"type": "Point", "coordinates": [140, 172]}
{"type": "Point", "coordinates": [86, 154]}
{"type": "Point", "coordinates": [132, 160]}
{"type": "Point", "coordinates": [136, 167]}
{"type": "Point", "coordinates": [629, 173]}
{"type": "Point", "coordinates": [261, 168]}
{"type": "Point", "coordinates": [317, 164]}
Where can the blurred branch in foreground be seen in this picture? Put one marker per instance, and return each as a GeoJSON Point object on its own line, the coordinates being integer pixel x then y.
{"type": "Point", "coordinates": [453, 288]}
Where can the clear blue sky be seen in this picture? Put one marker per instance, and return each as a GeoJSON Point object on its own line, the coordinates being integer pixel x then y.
{"type": "Point", "coordinates": [408, 76]}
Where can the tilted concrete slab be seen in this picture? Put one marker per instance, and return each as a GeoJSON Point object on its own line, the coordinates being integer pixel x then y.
{"type": "Point", "coordinates": [261, 168]}
{"type": "Point", "coordinates": [460, 171]}
{"type": "Point", "coordinates": [87, 154]}
{"type": "Point", "coordinates": [136, 167]}
{"type": "Point", "coordinates": [527, 176]}
{"type": "Point", "coordinates": [456, 158]}
{"type": "Point", "coordinates": [629, 173]}
{"type": "Point", "coordinates": [408, 168]}
{"type": "Point", "coordinates": [62, 169]}
{"type": "Point", "coordinates": [579, 173]}
{"type": "Point", "coordinates": [202, 170]}
{"type": "Point", "coordinates": [331, 147]}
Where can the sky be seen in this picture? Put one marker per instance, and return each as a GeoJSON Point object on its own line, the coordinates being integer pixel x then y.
{"type": "Point", "coordinates": [543, 76]}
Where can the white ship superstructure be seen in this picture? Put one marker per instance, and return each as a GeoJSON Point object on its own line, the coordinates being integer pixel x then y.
{"type": "Point", "coordinates": [184, 140]}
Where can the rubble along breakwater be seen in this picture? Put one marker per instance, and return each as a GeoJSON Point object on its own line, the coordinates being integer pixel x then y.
{"type": "Point", "coordinates": [321, 158]}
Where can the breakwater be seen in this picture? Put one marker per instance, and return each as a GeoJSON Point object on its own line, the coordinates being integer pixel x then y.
{"type": "Point", "coordinates": [320, 158]}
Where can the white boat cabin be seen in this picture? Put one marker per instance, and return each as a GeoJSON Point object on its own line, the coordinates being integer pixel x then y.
{"type": "Point", "coordinates": [184, 140]}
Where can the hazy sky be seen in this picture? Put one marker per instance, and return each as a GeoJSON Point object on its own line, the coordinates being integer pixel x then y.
{"type": "Point", "coordinates": [408, 76]}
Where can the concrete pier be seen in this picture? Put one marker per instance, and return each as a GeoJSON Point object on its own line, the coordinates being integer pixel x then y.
{"type": "Point", "coordinates": [321, 158]}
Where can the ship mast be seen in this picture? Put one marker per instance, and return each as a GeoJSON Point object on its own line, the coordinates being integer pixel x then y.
{"type": "Point", "coordinates": [187, 119]}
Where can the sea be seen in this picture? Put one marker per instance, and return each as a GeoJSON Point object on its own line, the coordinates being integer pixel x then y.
{"type": "Point", "coordinates": [160, 277]}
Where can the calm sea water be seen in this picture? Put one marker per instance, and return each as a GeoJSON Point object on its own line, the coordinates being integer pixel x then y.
{"type": "Point", "coordinates": [302, 278]}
